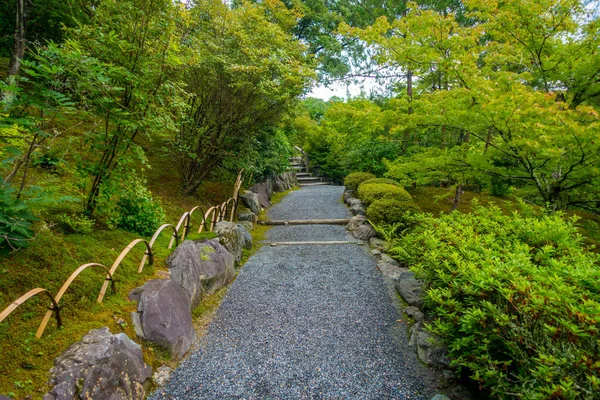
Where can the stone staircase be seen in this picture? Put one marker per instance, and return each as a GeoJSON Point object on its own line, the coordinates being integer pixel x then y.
{"type": "Point", "coordinates": [305, 178]}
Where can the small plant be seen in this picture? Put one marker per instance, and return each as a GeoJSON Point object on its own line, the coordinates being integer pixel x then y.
{"type": "Point", "coordinates": [390, 211]}
{"type": "Point", "coordinates": [356, 178]}
{"type": "Point", "coordinates": [381, 180]}
{"type": "Point", "coordinates": [16, 220]}
{"type": "Point", "coordinates": [137, 211]}
{"type": "Point", "coordinates": [378, 191]}
{"type": "Point", "coordinates": [77, 223]}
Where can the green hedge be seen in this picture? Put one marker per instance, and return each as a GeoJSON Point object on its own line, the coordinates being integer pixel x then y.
{"type": "Point", "coordinates": [379, 191]}
{"type": "Point", "coordinates": [390, 211]}
{"type": "Point", "coordinates": [517, 299]}
{"type": "Point", "coordinates": [381, 180]}
{"type": "Point", "coordinates": [356, 178]}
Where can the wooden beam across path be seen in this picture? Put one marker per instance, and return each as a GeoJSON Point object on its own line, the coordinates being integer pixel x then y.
{"type": "Point", "coordinates": [306, 222]}
{"type": "Point", "coordinates": [358, 242]}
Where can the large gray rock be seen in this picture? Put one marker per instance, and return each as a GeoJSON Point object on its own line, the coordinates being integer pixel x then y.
{"type": "Point", "coordinates": [163, 315]}
{"type": "Point", "coordinates": [281, 183]}
{"type": "Point", "coordinates": [410, 289]}
{"type": "Point", "coordinates": [162, 375]}
{"type": "Point", "coordinates": [389, 260]}
{"type": "Point", "coordinates": [201, 267]}
{"type": "Point", "coordinates": [355, 222]}
{"type": "Point", "coordinates": [264, 191]}
{"type": "Point", "coordinates": [379, 244]}
{"type": "Point", "coordinates": [246, 235]}
{"type": "Point", "coordinates": [358, 209]}
{"type": "Point", "coordinates": [414, 313]}
{"type": "Point", "coordinates": [348, 194]}
{"type": "Point", "coordinates": [234, 237]}
{"type": "Point", "coordinates": [248, 226]}
{"type": "Point", "coordinates": [429, 347]}
{"type": "Point", "coordinates": [390, 270]}
{"type": "Point", "coordinates": [364, 232]}
{"type": "Point", "coordinates": [247, 216]}
{"type": "Point", "coordinates": [100, 366]}
{"type": "Point", "coordinates": [354, 202]}
{"type": "Point", "coordinates": [251, 201]}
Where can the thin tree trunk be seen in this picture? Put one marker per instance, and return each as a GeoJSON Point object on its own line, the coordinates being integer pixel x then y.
{"type": "Point", "coordinates": [457, 196]}
{"type": "Point", "coordinates": [19, 36]}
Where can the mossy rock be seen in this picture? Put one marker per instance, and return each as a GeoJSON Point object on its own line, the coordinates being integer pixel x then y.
{"type": "Point", "coordinates": [351, 181]}
{"type": "Point", "coordinates": [390, 211]}
{"type": "Point", "coordinates": [381, 180]}
{"type": "Point", "coordinates": [379, 191]}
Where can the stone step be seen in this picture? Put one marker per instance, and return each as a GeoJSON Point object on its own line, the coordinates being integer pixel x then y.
{"type": "Point", "coordinates": [309, 179]}
{"type": "Point", "coordinates": [315, 184]}
{"type": "Point", "coordinates": [303, 174]}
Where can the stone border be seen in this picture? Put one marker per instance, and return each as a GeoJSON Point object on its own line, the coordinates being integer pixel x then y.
{"type": "Point", "coordinates": [428, 347]}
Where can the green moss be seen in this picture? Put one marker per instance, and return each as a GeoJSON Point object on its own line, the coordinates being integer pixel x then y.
{"type": "Point", "coordinates": [351, 181]}
{"type": "Point", "coordinates": [378, 191]}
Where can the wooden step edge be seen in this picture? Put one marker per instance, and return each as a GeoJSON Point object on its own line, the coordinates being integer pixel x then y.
{"type": "Point", "coordinates": [306, 222]}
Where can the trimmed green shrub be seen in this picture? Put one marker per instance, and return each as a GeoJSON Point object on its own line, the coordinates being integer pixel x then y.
{"type": "Point", "coordinates": [351, 181]}
{"type": "Point", "coordinates": [379, 191]}
{"type": "Point", "coordinates": [137, 211]}
{"type": "Point", "coordinates": [390, 211]}
{"type": "Point", "coordinates": [381, 180]}
{"type": "Point", "coordinates": [517, 299]}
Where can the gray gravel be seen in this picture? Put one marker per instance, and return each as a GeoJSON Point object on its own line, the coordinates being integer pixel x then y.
{"type": "Point", "coordinates": [304, 322]}
{"type": "Point", "coordinates": [312, 202]}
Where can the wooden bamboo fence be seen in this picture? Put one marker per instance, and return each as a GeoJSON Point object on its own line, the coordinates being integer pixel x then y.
{"type": "Point", "coordinates": [179, 232]}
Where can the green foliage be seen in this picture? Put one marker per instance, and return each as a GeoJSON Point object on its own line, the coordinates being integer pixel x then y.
{"type": "Point", "coordinates": [517, 299]}
{"type": "Point", "coordinates": [379, 191]}
{"type": "Point", "coordinates": [380, 180]}
{"type": "Point", "coordinates": [390, 212]}
{"type": "Point", "coordinates": [77, 223]}
{"type": "Point", "coordinates": [137, 211]}
{"type": "Point", "coordinates": [351, 181]}
{"type": "Point", "coordinates": [15, 220]}
{"type": "Point", "coordinates": [246, 56]}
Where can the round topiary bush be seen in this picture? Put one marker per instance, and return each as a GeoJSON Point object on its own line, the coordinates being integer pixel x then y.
{"type": "Point", "coordinates": [379, 191]}
{"type": "Point", "coordinates": [390, 211]}
{"type": "Point", "coordinates": [351, 181]}
{"type": "Point", "coordinates": [381, 180]}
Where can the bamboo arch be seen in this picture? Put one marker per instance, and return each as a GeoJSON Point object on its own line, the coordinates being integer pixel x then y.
{"type": "Point", "coordinates": [219, 213]}
{"type": "Point", "coordinates": [120, 258]}
{"type": "Point", "coordinates": [64, 288]}
{"type": "Point", "coordinates": [55, 308]}
{"type": "Point", "coordinates": [154, 237]}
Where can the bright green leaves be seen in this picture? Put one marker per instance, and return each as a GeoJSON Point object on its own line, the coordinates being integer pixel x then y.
{"type": "Point", "coordinates": [512, 297]}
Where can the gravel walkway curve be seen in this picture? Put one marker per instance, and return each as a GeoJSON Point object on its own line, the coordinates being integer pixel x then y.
{"type": "Point", "coordinates": [304, 322]}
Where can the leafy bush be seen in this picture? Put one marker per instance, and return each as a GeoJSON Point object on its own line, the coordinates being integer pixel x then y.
{"type": "Point", "coordinates": [381, 180]}
{"type": "Point", "coordinates": [351, 181]}
{"type": "Point", "coordinates": [15, 220]}
{"type": "Point", "coordinates": [137, 211]}
{"type": "Point", "coordinates": [378, 191]}
{"type": "Point", "coordinates": [77, 223]}
{"type": "Point", "coordinates": [516, 297]}
{"type": "Point", "coordinates": [390, 211]}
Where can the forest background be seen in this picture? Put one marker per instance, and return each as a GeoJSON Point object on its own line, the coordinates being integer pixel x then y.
{"type": "Point", "coordinates": [119, 115]}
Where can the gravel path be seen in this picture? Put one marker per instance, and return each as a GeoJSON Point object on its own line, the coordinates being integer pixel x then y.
{"type": "Point", "coordinates": [304, 322]}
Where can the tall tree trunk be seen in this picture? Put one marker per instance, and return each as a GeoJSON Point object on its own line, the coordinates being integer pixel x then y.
{"type": "Point", "coordinates": [19, 36]}
{"type": "Point", "coordinates": [457, 196]}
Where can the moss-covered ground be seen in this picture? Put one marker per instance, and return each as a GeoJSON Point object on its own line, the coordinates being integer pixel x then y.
{"type": "Point", "coordinates": [55, 254]}
{"type": "Point", "coordinates": [436, 200]}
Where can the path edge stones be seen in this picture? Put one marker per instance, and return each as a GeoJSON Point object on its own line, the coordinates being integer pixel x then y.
{"type": "Point", "coordinates": [429, 348]}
